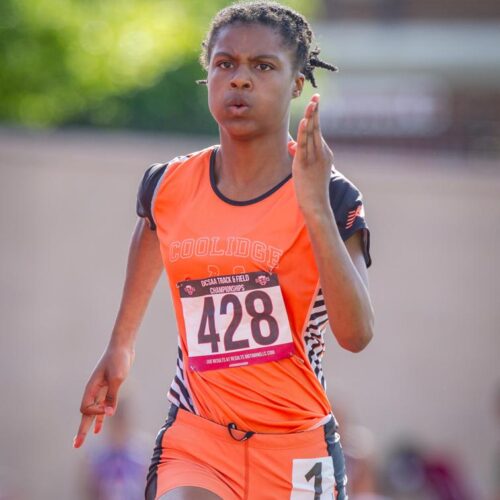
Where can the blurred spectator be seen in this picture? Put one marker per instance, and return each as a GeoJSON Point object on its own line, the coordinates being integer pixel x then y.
{"type": "Point", "coordinates": [117, 467]}
{"type": "Point", "coordinates": [359, 449]}
{"type": "Point", "coordinates": [405, 474]}
{"type": "Point", "coordinates": [358, 443]}
{"type": "Point", "coordinates": [412, 474]}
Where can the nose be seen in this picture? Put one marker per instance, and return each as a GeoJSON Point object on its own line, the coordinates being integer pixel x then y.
{"type": "Point", "coordinates": [241, 79]}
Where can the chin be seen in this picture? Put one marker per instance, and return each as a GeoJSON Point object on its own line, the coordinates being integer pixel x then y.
{"type": "Point", "coordinates": [240, 130]}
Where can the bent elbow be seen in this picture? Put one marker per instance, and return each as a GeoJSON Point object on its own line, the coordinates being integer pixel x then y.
{"type": "Point", "coordinates": [358, 342]}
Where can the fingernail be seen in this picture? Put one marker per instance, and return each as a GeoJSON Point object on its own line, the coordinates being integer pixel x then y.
{"type": "Point", "coordinates": [109, 410]}
{"type": "Point", "coordinates": [74, 442]}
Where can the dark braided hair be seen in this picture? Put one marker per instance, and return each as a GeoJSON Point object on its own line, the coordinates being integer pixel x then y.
{"type": "Point", "coordinates": [292, 26]}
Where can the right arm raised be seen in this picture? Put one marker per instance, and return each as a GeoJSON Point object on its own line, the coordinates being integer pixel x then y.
{"type": "Point", "coordinates": [143, 271]}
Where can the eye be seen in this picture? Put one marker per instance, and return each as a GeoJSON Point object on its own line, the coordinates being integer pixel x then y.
{"type": "Point", "coordinates": [264, 67]}
{"type": "Point", "coordinates": [224, 64]}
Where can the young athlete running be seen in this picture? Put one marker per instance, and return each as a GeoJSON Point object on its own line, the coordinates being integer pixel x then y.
{"type": "Point", "coordinates": [263, 242]}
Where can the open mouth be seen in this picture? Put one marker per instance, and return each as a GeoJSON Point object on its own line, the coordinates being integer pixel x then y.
{"type": "Point", "coordinates": [237, 102]}
{"type": "Point", "coordinates": [237, 105]}
{"type": "Point", "coordinates": [238, 108]}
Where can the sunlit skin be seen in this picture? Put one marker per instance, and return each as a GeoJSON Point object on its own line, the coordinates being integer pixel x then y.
{"type": "Point", "coordinates": [252, 62]}
{"type": "Point", "coordinates": [250, 65]}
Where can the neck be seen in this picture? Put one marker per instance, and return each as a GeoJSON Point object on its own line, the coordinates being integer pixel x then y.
{"type": "Point", "coordinates": [246, 168]}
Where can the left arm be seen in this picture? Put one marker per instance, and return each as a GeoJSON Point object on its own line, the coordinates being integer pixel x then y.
{"type": "Point", "coordinates": [344, 281]}
{"type": "Point", "coordinates": [341, 266]}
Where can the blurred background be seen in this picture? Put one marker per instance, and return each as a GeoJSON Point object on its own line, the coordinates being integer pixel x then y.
{"type": "Point", "coordinates": [92, 92]}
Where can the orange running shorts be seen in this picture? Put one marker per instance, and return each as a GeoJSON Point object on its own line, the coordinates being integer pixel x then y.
{"type": "Point", "coordinates": [234, 464]}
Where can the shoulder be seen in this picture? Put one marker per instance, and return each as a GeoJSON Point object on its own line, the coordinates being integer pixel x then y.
{"type": "Point", "coordinates": [153, 177]}
{"type": "Point", "coordinates": [156, 171]}
{"type": "Point", "coordinates": [342, 190]}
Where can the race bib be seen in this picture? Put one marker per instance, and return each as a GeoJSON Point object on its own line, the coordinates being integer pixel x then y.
{"type": "Point", "coordinates": [312, 478]}
{"type": "Point", "coordinates": [235, 320]}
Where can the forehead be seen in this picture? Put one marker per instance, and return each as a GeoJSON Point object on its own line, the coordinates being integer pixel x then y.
{"type": "Point", "coordinates": [251, 40]}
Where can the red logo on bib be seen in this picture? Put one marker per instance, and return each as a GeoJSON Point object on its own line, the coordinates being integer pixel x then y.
{"type": "Point", "coordinates": [262, 280]}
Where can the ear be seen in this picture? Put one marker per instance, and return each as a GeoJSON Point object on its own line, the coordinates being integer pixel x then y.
{"type": "Point", "coordinates": [298, 85]}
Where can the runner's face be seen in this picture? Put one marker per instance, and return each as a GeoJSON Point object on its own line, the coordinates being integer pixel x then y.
{"type": "Point", "coordinates": [251, 80]}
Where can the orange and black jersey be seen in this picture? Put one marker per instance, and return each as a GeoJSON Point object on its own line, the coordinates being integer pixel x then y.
{"type": "Point", "coordinates": [246, 291]}
{"type": "Point", "coordinates": [345, 199]}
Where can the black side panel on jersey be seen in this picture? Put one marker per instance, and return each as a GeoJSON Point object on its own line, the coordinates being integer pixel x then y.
{"type": "Point", "coordinates": [146, 192]}
{"type": "Point", "coordinates": [347, 204]}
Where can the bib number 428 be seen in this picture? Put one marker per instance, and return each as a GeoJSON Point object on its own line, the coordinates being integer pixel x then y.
{"type": "Point", "coordinates": [207, 333]}
{"type": "Point", "coordinates": [235, 320]}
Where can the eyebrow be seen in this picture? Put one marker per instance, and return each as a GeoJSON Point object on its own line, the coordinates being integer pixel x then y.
{"type": "Point", "coordinates": [260, 56]}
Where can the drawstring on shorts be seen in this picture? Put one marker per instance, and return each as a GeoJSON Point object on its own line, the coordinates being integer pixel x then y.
{"type": "Point", "coordinates": [232, 426]}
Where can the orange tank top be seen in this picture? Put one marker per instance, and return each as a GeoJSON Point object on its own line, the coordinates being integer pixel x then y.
{"type": "Point", "coordinates": [247, 297]}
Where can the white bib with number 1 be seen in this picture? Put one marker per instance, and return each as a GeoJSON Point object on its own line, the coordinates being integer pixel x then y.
{"type": "Point", "coordinates": [235, 320]}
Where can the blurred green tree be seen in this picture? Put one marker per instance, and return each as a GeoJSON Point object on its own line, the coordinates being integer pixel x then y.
{"type": "Point", "coordinates": [112, 63]}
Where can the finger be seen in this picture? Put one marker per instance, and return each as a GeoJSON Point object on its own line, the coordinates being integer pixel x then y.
{"type": "Point", "coordinates": [85, 425]}
{"type": "Point", "coordinates": [311, 153]}
{"type": "Point", "coordinates": [99, 420]}
{"type": "Point", "coordinates": [301, 152]}
{"type": "Point", "coordinates": [304, 128]}
{"type": "Point", "coordinates": [308, 114]}
{"type": "Point", "coordinates": [91, 395]}
{"type": "Point", "coordinates": [111, 399]}
{"type": "Point", "coordinates": [96, 405]}
{"type": "Point", "coordinates": [101, 398]}
{"type": "Point", "coordinates": [93, 409]}
{"type": "Point", "coordinates": [309, 109]}
{"type": "Point", "coordinates": [317, 136]}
